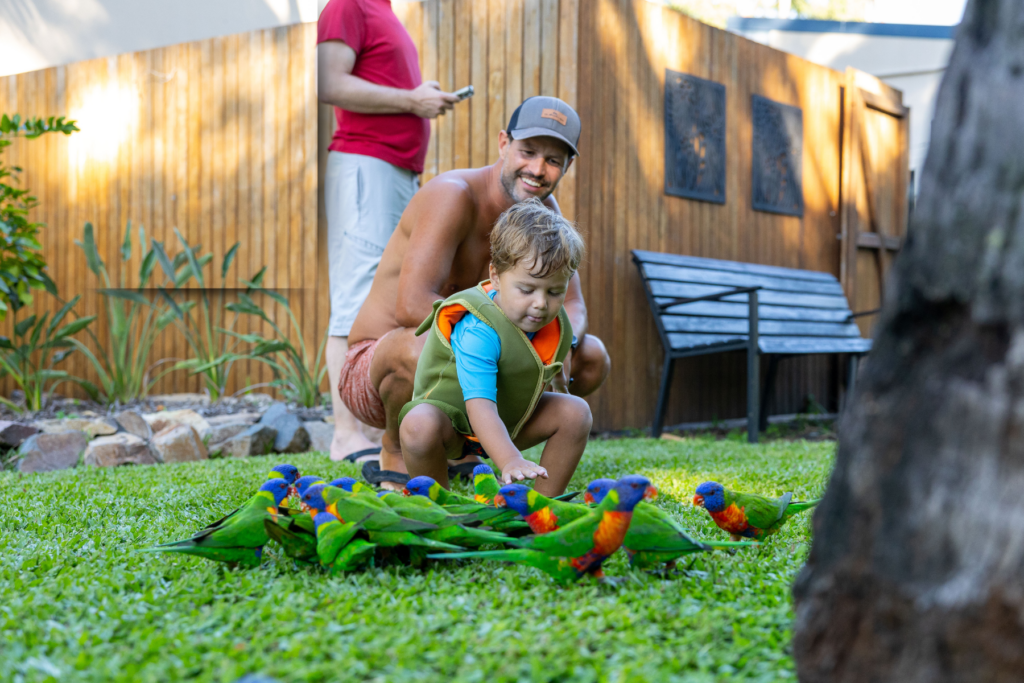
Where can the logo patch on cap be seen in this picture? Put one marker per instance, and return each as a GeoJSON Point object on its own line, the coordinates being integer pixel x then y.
{"type": "Point", "coordinates": [554, 115]}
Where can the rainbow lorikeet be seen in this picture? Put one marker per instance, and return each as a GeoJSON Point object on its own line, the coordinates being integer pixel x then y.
{"type": "Point", "coordinates": [337, 546]}
{"type": "Point", "coordinates": [385, 526]}
{"type": "Point", "coordinates": [485, 485]}
{"type": "Point", "coordinates": [543, 514]}
{"type": "Point", "coordinates": [294, 531]}
{"type": "Point", "coordinates": [654, 536]}
{"type": "Point", "coordinates": [287, 472]}
{"type": "Point", "coordinates": [496, 518]}
{"type": "Point", "coordinates": [579, 547]}
{"type": "Point", "coordinates": [302, 484]}
{"type": "Point", "coordinates": [747, 515]}
{"type": "Point", "coordinates": [352, 486]}
{"type": "Point", "coordinates": [239, 538]}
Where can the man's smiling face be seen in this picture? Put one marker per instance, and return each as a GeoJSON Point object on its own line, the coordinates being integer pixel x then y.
{"type": "Point", "coordinates": [532, 167]}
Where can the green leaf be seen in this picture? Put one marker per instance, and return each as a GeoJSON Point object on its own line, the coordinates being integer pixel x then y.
{"type": "Point", "coordinates": [61, 313]}
{"type": "Point", "coordinates": [38, 330]}
{"type": "Point", "coordinates": [73, 327]}
{"type": "Point", "coordinates": [142, 239]}
{"type": "Point", "coordinates": [5, 343]}
{"type": "Point", "coordinates": [146, 269]}
{"type": "Point", "coordinates": [88, 245]}
{"type": "Point", "coordinates": [161, 257]}
{"type": "Point", "coordinates": [24, 326]}
{"type": "Point", "coordinates": [126, 246]}
{"type": "Point", "coordinates": [228, 258]}
{"type": "Point", "coordinates": [257, 280]}
{"type": "Point", "coordinates": [196, 268]}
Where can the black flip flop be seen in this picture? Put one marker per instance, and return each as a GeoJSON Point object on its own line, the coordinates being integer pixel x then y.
{"type": "Point", "coordinates": [373, 474]}
{"type": "Point", "coordinates": [354, 457]}
{"type": "Point", "coordinates": [464, 471]}
{"type": "Point", "coordinates": [470, 447]}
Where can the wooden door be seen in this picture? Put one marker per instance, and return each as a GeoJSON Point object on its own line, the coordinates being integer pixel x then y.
{"type": "Point", "coordinates": [876, 132]}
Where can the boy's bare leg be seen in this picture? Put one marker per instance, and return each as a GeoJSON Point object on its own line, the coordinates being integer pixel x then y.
{"type": "Point", "coordinates": [427, 438]}
{"type": "Point", "coordinates": [564, 421]}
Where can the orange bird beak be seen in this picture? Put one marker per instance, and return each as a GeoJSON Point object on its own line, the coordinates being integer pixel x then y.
{"type": "Point", "coordinates": [588, 498]}
{"type": "Point", "coordinates": [698, 501]}
{"type": "Point", "coordinates": [651, 493]}
{"type": "Point", "coordinates": [499, 501]}
{"type": "Point", "coordinates": [405, 492]}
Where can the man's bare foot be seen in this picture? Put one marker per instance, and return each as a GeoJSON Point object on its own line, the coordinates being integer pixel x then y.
{"type": "Point", "coordinates": [344, 443]}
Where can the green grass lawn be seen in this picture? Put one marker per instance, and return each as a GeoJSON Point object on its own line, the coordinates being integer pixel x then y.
{"type": "Point", "coordinates": [78, 603]}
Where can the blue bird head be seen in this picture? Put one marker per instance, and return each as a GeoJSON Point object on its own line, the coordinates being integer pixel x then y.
{"type": "Point", "coordinates": [302, 484]}
{"type": "Point", "coordinates": [321, 518]}
{"type": "Point", "coordinates": [313, 498]}
{"type": "Point", "coordinates": [710, 496]}
{"type": "Point", "coordinates": [278, 488]}
{"type": "Point", "coordinates": [344, 483]}
{"type": "Point", "coordinates": [288, 472]}
{"type": "Point", "coordinates": [482, 469]}
{"type": "Point", "coordinates": [631, 489]}
{"type": "Point", "coordinates": [515, 497]}
{"type": "Point", "coordinates": [597, 490]}
{"type": "Point", "coordinates": [419, 486]}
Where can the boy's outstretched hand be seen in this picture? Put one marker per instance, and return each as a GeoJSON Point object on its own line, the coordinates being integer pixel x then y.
{"type": "Point", "coordinates": [520, 469]}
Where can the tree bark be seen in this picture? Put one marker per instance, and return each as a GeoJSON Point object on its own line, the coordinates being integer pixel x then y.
{"type": "Point", "coordinates": [917, 568]}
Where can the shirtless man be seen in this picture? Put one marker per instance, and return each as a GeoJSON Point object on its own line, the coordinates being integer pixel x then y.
{"type": "Point", "coordinates": [442, 246]}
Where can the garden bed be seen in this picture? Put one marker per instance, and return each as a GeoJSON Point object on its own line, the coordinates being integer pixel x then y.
{"type": "Point", "coordinates": [77, 602]}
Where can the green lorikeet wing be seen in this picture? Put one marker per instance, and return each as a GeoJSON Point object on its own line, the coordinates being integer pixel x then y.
{"type": "Point", "coordinates": [392, 539]}
{"type": "Point", "coordinates": [334, 540]}
{"type": "Point", "coordinates": [558, 568]}
{"type": "Point", "coordinates": [294, 532]}
{"type": "Point", "coordinates": [466, 536]}
{"type": "Point", "coordinates": [358, 552]}
{"type": "Point", "coordinates": [352, 508]}
{"type": "Point", "coordinates": [761, 512]}
{"type": "Point", "coordinates": [423, 509]}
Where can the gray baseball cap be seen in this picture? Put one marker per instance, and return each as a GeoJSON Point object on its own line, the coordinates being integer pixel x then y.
{"type": "Point", "coordinates": [546, 117]}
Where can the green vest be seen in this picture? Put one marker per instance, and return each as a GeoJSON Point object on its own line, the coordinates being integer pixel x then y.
{"type": "Point", "coordinates": [522, 374]}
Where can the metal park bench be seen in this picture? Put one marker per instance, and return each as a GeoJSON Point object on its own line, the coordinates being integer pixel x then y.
{"type": "Point", "coordinates": [703, 306]}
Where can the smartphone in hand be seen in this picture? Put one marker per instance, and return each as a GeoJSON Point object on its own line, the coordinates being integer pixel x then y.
{"type": "Point", "coordinates": [464, 93]}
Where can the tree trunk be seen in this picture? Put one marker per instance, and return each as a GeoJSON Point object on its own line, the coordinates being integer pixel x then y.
{"type": "Point", "coordinates": [917, 568]}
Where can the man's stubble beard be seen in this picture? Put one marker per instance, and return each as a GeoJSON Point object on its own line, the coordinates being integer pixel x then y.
{"type": "Point", "coordinates": [508, 184]}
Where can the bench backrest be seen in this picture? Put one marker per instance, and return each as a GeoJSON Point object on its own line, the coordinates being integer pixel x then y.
{"type": "Point", "coordinates": [800, 311]}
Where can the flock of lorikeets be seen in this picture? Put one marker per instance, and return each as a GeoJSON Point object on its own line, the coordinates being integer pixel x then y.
{"type": "Point", "coordinates": [344, 525]}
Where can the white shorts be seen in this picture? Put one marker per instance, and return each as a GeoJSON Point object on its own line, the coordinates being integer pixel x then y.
{"type": "Point", "coordinates": [364, 197]}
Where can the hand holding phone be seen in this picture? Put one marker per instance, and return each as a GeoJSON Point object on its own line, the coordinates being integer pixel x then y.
{"type": "Point", "coordinates": [464, 93]}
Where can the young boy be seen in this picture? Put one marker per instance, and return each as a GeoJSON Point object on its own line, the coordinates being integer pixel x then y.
{"type": "Point", "coordinates": [491, 352]}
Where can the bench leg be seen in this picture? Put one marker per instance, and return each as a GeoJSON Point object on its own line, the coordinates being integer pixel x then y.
{"type": "Point", "coordinates": [666, 382]}
{"type": "Point", "coordinates": [851, 377]}
{"type": "Point", "coordinates": [753, 393]}
{"type": "Point", "coordinates": [767, 392]}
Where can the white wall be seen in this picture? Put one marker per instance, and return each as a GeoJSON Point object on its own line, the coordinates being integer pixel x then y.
{"type": "Point", "coordinates": [36, 34]}
{"type": "Point", "coordinates": [913, 65]}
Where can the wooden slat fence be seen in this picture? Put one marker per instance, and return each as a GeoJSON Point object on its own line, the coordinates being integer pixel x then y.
{"type": "Point", "coordinates": [223, 138]}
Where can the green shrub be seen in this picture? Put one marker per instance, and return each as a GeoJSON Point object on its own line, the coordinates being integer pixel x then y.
{"type": "Point", "coordinates": [22, 266]}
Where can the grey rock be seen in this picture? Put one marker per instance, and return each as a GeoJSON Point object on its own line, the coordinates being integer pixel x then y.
{"type": "Point", "coordinates": [120, 449]}
{"type": "Point", "coordinates": [256, 440]}
{"type": "Point", "coordinates": [179, 443]}
{"type": "Point", "coordinates": [274, 413]}
{"type": "Point", "coordinates": [292, 436]}
{"type": "Point", "coordinates": [166, 418]}
{"type": "Point", "coordinates": [133, 423]}
{"type": "Point", "coordinates": [180, 399]}
{"type": "Point", "coordinates": [223, 432]}
{"type": "Point", "coordinates": [320, 435]}
{"type": "Point", "coordinates": [92, 427]}
{"type": "Point", "coordinates": [232, 418]}
{"type": "Point", "coordinates": [13, 434]}
{"type": "Point", "coordinates": [52, 451]}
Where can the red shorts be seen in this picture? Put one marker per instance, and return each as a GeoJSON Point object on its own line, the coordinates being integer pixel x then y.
{"type": "Point", "coordinates": [356, 389]}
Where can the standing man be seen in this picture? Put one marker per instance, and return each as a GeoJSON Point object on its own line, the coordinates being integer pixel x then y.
{"type": "Point", "coordinates": [368, 68]}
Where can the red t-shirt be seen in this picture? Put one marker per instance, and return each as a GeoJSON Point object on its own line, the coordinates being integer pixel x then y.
{"type": "Point", "coordinates": [385, 55]}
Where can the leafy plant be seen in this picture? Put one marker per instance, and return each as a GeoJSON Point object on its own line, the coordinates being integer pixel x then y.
{"type": "Point", "coordinates": [28, 359]}
{"type": "Point", "coordinates": [213, 347]}
{"type": "Point", "coordinates": [133, 319]}
{"type": "Point", "coordinates": [22, 266]}
{"type": "Point", "coordinates": [297, 373]}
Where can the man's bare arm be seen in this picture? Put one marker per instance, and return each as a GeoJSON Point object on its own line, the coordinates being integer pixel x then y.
{"type": "Point", "coordinates": [336, 85]}
{"type": "Point", "coordinates": [575, 307]}
{"type": "Point", "coordinates": [440, 216]}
